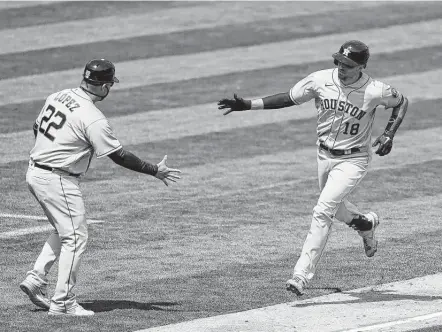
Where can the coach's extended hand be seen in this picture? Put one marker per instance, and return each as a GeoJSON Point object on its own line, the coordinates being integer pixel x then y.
{"type": "Point", "coordinates": [234, 105]}
{"type": "Point", "coordinates": [385, 142]}
{"type": "Point", "coordinates": [165, 172]}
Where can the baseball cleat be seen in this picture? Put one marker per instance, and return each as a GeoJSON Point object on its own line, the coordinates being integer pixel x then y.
{"type": "Point", "coordinates": [36, 294]}
{"type": "Point", "coordinates": [368, 237]}
{"type": "Point", "coordinates": [78, 310]}
{"type": "Point", "coordinates": [295, 285]}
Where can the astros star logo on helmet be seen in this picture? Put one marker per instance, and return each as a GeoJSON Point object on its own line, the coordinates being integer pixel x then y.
{"type": "Point", "coordinates": [347, 51]}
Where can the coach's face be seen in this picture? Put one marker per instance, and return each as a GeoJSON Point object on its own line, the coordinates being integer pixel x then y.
{"type": "Point", "coordinates": [348, 73]}
{"type": "Point", "coordinates": [105, 89]}
{"type": "Point", "coordinates": [107, 86]}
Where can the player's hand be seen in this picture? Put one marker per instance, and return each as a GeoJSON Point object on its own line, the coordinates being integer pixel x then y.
{"type": "Point", "coordinates": [234, 105]}
{"type": "Point", "coordinates": [385, 142]}
{"type": "Point", "coordinates": [165, 173]}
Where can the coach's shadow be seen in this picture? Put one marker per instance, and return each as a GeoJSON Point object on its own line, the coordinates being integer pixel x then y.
{"type": "Point", "coordinates": [109, 305]}
{"type": "Point", "coordinates": [372, 296]}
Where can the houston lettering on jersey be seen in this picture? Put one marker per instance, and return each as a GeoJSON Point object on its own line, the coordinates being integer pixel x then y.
{"type": "Point", "coordinates": [342, 106]}
{"type": "Point", "coordinates": [345, 112]}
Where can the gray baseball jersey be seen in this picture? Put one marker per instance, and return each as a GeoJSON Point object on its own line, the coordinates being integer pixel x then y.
{"type": "Point", "coordinates": [345, 113]}
{"type": "Point", "coordinates": [70, 130]}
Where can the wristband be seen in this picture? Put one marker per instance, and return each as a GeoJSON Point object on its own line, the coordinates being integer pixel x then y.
{"type": "Point", "coordinates": [257, 104]}
{"type": "Point", "coordinates": [149, 168]}
{"type": "Point", "coordinates": [389, 133]}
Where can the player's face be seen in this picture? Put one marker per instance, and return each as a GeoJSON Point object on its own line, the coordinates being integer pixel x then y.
{"type": "Point", "coordinates": [347, 73]}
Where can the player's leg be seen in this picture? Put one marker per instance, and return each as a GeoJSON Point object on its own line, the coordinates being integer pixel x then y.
{"type": "Point", "coordinates": [70, 221]}
{"type": "Point", "coordinates": [315, 236]}
{"type": "Point", "coordinates": [347, 211]}
{"type": "Point", "coordinates": [340, 182]}
{"type": "Point", "coordinates": [351, 215]}
{"type": "Point", "coordinates": [364, 223]}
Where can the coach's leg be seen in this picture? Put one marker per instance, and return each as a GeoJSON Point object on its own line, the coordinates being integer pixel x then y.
{"type": "Point", "coordinates": [72, 229]}
{"type": "Point", "coordinates": [41, 184]}
{"type": "Point", "coordinates": [341, 181]}
{"type": "Point", "coordinates": [73, 244]}
{"type": "Point", "coordinates": [51, 249]}
{"type": "Point", "coordinates": [47, 257]}
{"type": "Point", "coordinates": [35, 283]}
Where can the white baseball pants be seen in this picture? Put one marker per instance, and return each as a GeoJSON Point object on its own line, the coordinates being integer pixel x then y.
{"type": "Point", "coordinates": [338, 177]}
{"type": "Point", "coordinates": [61, 199]}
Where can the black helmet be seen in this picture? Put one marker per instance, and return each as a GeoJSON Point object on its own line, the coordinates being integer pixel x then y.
{"type": "Point", "coordinates": [99, 71]}
{"type": "Point", "coordinates": [353, 53]}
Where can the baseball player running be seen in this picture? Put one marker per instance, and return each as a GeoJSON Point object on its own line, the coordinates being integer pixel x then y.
{"type": "Point", "coordinates": [69, 130]}
{"type": "Point", "coordinates": [346, 99]}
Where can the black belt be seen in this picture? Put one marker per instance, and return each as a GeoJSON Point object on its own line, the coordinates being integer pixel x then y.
{"type": "Point", "coordinates": [50, 169]}
{"type": "Point", "coordinates": [339, 152]}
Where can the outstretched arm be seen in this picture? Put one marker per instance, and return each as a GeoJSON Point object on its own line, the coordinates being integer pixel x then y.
{"type": "Point", "coordinates": [385, 141]}
{"type": "Point", "coordinates": [236, 104]}
{"type": "Point", "coordinates": [130, 161]}
{"type": "Point", "coordinates": [279, 100]}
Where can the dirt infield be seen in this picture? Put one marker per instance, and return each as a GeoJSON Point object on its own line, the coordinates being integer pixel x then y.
{"type": "Point", "coordinates": [397, 306]}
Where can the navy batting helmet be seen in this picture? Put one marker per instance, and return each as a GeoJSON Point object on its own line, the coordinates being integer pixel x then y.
{"type": "Point", "coordinates": [99, 71]}
{"type": "Point", "coordinates": [352, 53]}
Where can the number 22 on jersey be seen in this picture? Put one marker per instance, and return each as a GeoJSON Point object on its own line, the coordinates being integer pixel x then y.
{"type": "Point", "coordinates": [51, 119]}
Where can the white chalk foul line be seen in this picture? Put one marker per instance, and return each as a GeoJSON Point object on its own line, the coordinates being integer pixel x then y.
{"type": "Point", "coordinates": [32, 230]}
{"type": "Point", "coordinates": [396, 322]}
{"type": "Point", "coordinates": [21, 216]}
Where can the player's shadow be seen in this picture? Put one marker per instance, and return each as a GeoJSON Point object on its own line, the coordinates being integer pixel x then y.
{"type": "Point", "coordinates": [109, 305]}
{"type": "Point", "coordinates": [372, 296]}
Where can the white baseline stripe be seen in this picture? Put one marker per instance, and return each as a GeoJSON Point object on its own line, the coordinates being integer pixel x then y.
{"type": "Point", "coordinates": [25, 216]}
{"type": "Point", "coordinates": [205, 64]}
{"type": "Point", "coordinates": [22, 4]}
{"type": "Point", "coordinates": [397, 322]}
{"type": "Point", "coordinates": [21, 216]}
{"type": "Point", "coordinates": [33, 230]}
{"type": "Point", "coordinates": [202, 119]}
{"type": "Point", "coordinates": [204, 15]}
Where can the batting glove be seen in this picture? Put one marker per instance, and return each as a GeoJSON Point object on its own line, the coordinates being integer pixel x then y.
{"type": "Point", "coordinates": [385, 142]}
{"type": "Point", "coordinates": [234, 105]}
